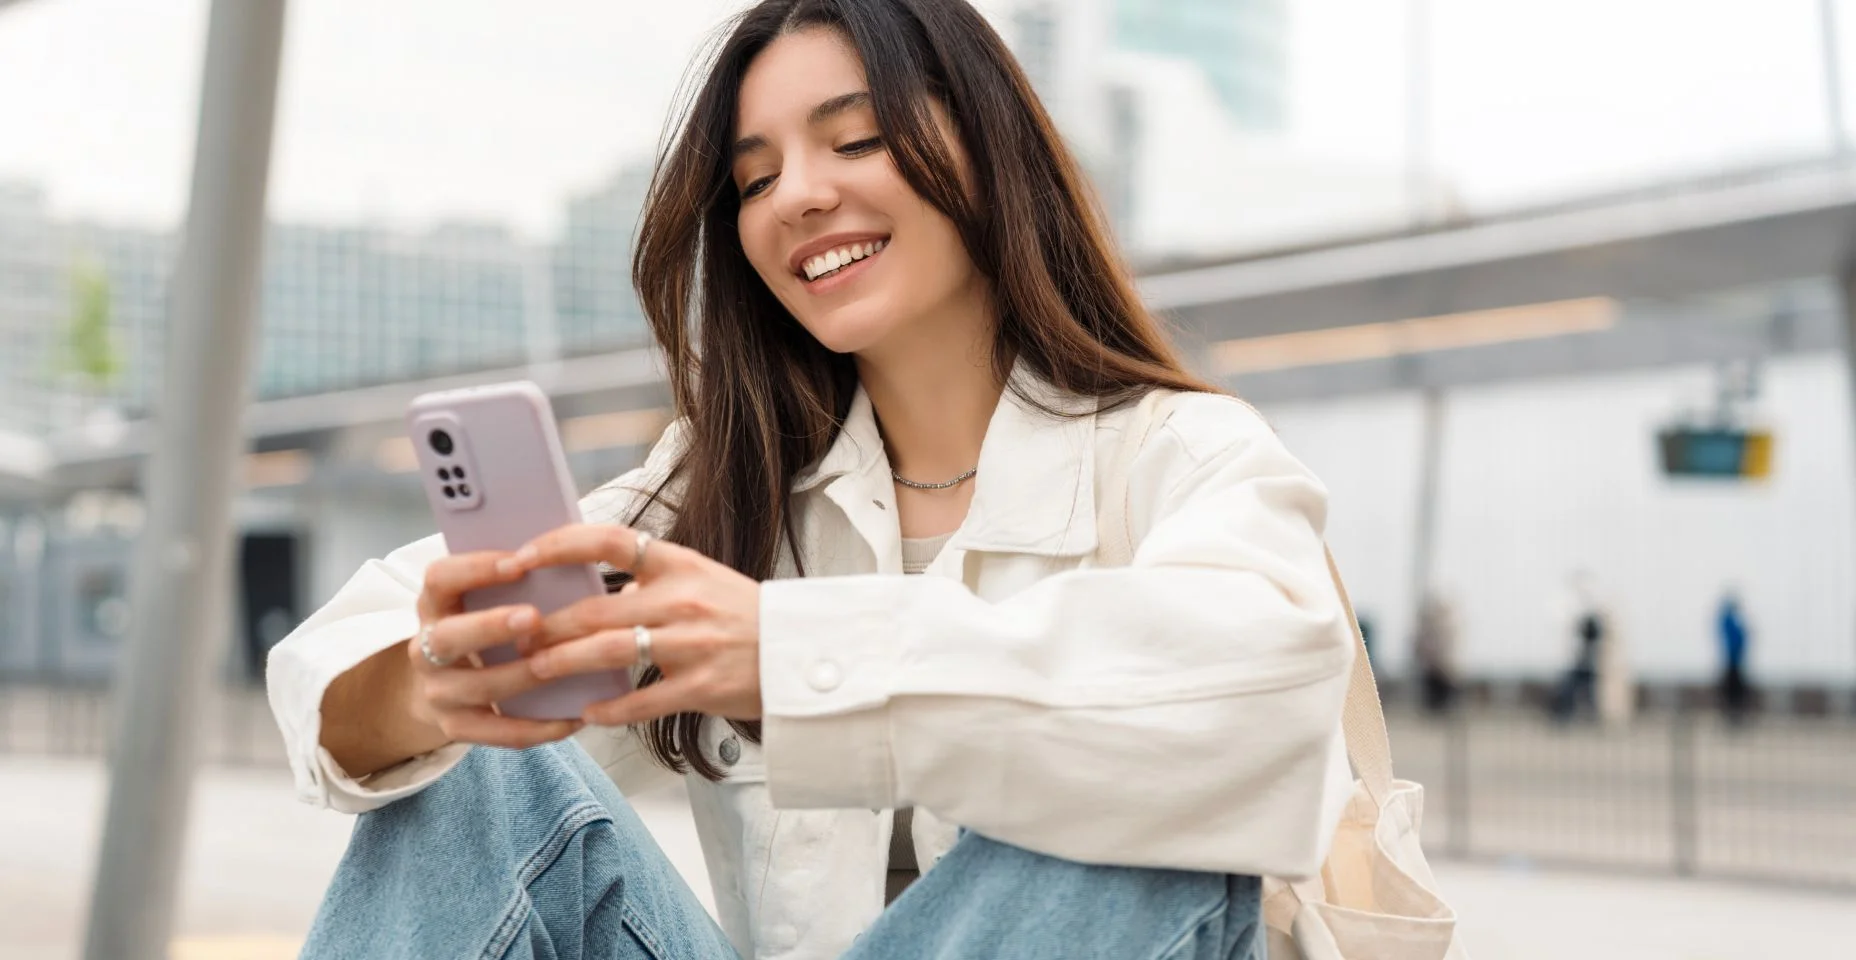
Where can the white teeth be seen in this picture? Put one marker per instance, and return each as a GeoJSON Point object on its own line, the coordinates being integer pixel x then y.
{"type": "Point", "coordinates": [840, 258]}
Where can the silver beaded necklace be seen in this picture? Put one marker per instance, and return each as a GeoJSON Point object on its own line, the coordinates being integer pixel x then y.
{"type": "Point", "coordinates": [957, 481]}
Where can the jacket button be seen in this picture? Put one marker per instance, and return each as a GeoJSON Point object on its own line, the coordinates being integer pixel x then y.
{"type": "Point", "coordinates": [825, 676]}
{"type": "Point", "coordinates": [730, 751]}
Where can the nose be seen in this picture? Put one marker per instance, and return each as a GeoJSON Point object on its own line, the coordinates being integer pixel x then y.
{"type": "Point", "coordinates": [803, 187]}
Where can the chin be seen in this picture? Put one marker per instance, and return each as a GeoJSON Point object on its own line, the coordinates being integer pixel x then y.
{"type": "Point", "coordinates": [853, 328]}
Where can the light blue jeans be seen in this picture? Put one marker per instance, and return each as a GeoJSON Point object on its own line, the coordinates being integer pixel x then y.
{"type": "Point", "coordinates": [534, 855]}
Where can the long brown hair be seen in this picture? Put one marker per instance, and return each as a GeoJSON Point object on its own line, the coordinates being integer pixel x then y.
{"type": "Point", "coordinates": [761, 397]}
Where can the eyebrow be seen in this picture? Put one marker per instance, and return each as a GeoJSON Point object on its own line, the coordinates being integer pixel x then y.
{"type": "Point", "coordinates": [842, 103]}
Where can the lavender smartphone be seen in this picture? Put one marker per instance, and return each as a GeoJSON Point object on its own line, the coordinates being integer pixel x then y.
{"type": "Point", "coordinates": [496, 478]}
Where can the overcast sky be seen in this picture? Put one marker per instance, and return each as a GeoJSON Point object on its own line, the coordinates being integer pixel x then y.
{"type": "Point", "coordinates": [415, 110]}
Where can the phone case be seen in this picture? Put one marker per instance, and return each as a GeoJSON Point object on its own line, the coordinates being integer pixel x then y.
{"type": "Point", "coordinates": [496, 477]}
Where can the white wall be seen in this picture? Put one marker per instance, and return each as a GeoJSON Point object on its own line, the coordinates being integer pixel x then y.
{"type": "Point", "coordinates": [1543, 477]}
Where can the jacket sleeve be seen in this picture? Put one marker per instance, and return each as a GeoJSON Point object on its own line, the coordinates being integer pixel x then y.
{"type": "Point", "coordinates": [1181, 712]}
{"type": "Point", "coordinates": [374, 611]}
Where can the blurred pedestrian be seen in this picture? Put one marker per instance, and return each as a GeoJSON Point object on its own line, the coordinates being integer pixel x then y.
{"type": "Point", "coordinates": [1577, 692]}
{"type": "Point", "coordinates": [1599, 683]}
{"type": "Point", "coordinates": [1434, 650]}
{"type": "Point", "coordinates": [866, 573]}
{"type": "Point", "coordinates": [1736, 695]}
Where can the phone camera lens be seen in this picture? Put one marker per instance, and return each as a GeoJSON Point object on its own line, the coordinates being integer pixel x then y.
{"type": "Point", "coordinates": [444, 474]}
{"type": "Point", "coordinates": [450, 493]}
{"type": "Point", "coordinates": [458, 472]}
{"type": "Point", "coordinates": [441, 442]}
{"type": "Point", "coordinates": [463, 489]}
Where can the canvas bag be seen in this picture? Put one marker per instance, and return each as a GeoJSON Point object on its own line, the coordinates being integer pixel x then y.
{"type": "Point", "coordinates": [1375, 898]}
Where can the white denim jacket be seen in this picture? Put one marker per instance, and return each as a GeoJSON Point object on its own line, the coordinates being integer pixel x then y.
{"type": "Point", "coordinates": [1182, 712]}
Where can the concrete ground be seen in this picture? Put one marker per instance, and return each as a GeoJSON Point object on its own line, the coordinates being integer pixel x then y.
{"type": "Point", "coordinates": [257, 862]}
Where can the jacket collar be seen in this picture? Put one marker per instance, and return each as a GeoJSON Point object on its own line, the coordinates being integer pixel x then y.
{"type": "Point", "coordinates": [1035, 490]}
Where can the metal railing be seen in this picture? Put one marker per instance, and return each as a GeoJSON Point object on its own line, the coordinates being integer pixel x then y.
{"type": "Point", "coordinates": [1678, 790]}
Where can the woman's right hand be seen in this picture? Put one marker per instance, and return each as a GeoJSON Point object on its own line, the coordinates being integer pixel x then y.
{"type": "Point", "coordinates": [457, 698]}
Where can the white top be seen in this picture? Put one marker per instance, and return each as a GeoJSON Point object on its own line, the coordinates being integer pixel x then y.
{"type": "Point", "coordinates": [919, 552]}
{"type": "Point", "coordinates": [1182, 712]}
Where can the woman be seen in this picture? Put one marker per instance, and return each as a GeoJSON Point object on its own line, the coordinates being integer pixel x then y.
{"type": "Point", "coordinates": [899, 343]}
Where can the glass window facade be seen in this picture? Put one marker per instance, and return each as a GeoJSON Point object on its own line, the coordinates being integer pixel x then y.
{"type": "Point", "coordinates": [340, 306]}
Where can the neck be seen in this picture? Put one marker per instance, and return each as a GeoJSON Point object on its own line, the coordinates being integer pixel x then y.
{"type": "Point", "coordinates": [934, 398]}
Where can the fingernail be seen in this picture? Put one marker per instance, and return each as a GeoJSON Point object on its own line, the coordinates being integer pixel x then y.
{"type": "Point", "coordinates": [508, 566]}
{"type": "Point", "coordinates": [522, 619]}
{"type": "Point", "coordinates": [527, 554]}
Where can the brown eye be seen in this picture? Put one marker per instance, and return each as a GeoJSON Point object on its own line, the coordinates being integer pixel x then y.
{"type": "Point", "coordinates": [756, 187]}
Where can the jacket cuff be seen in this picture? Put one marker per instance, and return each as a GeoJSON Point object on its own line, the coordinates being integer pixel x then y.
{"type": "Point", "coordinates": [831, 645]}
{"type": "Point", "coordinates": [841, 762]}
{"type": "Point", "coordinates": [403, 779]}
{"type": "Point", "coordinates": [830, 656]}
{"type": "Point", "coordinates": [297, 677]}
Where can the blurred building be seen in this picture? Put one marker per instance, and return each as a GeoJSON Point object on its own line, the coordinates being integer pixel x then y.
{"type": "Point", "coordinates": [1240, 45]}
{"type": "Point", "coordinates": [346, 306]}
{"type": "Point", "coordinates": [342, 306]}
{"type": "Point", "coordinates": [594, 304]}
{"type": "Point", "coordinates": [1179, 110]}
{"type": "Point", "coordinates": [30, 298]}
{"type": "Point", "coordinates": [39, 260]}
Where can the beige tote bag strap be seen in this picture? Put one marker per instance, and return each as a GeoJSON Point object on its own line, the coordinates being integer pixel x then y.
{"type": "Point", "coordinates": [1361, 717]}
{"type": "Point", "coordinates": [1362, 720]}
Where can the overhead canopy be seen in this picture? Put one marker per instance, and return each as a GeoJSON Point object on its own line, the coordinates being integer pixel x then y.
{"type": "Point", "coordinates": [1674, 241]}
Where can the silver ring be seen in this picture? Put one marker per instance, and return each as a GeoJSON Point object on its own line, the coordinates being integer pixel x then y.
{"type": "Point", "coordinates": [425, 648]}
{"type": "Point", "coordinates": [642, 544]}
{"type": "Point", "coordinates": [641, 636]}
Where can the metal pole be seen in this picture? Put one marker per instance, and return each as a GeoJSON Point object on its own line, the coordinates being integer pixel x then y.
{"type": "Point", "coordinates": [1456, 779]}
{"type": "Point", "coordinates": [182, 570]}
{"type": "Point", "coordinates": [1684, 819]}
{"type": "Point", "coordinates": [1833, 78]}
{"type": "Point", "coordinates": [1424, 533]}
{"type": "Point", "coordinates": [1846, 306]}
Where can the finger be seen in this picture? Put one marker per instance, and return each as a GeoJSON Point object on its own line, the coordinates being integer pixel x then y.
{"type": "Point", "coordinates": [612, 611]}
{"type": "Point", "coordinates": [608, 650]}
{"type": "Point", "coordinates": [450, 689]}
{"type": "Point", "coordinates": [593, 543]}
{"type": "Point", "coordinates": [449, 578]}
{"type": "Point", "coordinates": [661, 699]}
{"type": "Point", "coordinates": [460, 635]}
{"type": "Point", "coordinates": [496, 730]}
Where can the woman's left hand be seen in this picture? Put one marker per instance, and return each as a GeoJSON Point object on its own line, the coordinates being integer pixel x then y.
{"type": "Point", "coordinates": [703, 618]}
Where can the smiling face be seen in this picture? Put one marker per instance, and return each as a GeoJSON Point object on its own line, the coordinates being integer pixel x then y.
{"type": "Point", "coordinates": [827, 221]}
